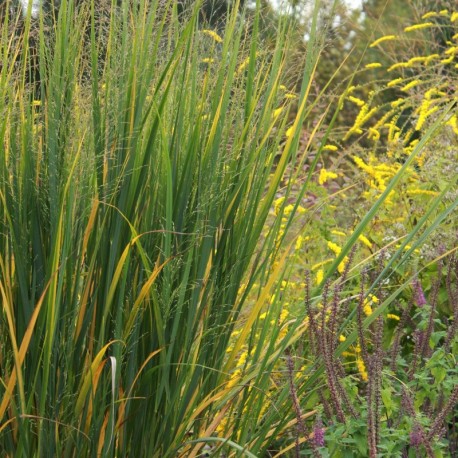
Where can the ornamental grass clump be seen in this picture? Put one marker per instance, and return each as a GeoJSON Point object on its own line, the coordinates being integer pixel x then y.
{"type": "Point", "coordinates": [136, 176]}
{"type": "Point", "coordinates": [151, 169]}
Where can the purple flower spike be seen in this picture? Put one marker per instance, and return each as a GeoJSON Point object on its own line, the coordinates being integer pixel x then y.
{"type": "Point", "coordinates": [418, 293]}
{"type": "Point", "coordinates": [318, 433]}
{"type": "Point", "coordinates": [416, 437]}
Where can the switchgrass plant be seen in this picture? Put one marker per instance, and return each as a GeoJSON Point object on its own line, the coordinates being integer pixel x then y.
{"type": "Point", "coordinates": [136, 175]}
{"type": "Point", "coordinates": [142, 305]}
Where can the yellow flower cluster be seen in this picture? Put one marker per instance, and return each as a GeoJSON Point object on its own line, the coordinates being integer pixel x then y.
{"type": "Point", "coordinates": [356, 101]}
{"type": "Point", "coordinates": [425, 60]}
{"type": "Point", "coordinates": [319, 276]}
{"type": "Point", "coordinates": [321, 264]}
{"type": "Point", "coordinates": [414, 27]}
{"type": "Point", "coordinates": [337, 250]}
{"type": "Point", "coordinates": [374, 134]}
{"type": "Point", "coordinates": [364, 115]}
{"type": "Point", "coordinates": [212, 34]}
{"type": "Point", "coordinates": [394, 82]}
{"type": "Point", "coordinates": [382, 39]}
{"type": "Point", "coordinates": [410, 85]}
{"type": "Point", "coordinates": [368, 303]}
{"type": "Point", "coordinates": [339, 233]}
{"type": "Point", "coordinates": [425, 109]}
{"type": "Point", "coordinates": [237, 373]}
{"type": "Point", "coordinates": [453, 123]}
{"type": "Point", "coordinates": [288, 93]}
{"type": "Point", "coordinates": [243, 65]}
{"type": "Point", "coordinates": [360, 365]}
{"type": "Point", "coordinates": [373, 65]}
{"type": "Point", "coordinates": [326, 175]}
{"type": "Point", "coordinates": [365, 240]}
{"type": "Point", "coordinates": [300, 241]}
{"type": "Point", "coordinates": [378, 173]}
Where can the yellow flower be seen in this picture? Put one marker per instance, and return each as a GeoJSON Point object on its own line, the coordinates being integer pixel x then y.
{"type": "Point", "coordinates": [235, 377]}
{"type": "Point", "coordinates": [341, 266]}
{"type": "Point", "coordinates": [334, 247]}
{"type": "Point", "coordinates": [428, 59]}
{"type": "Point", "coordinates": [342, 338]}
{"type": "Point", "coordinates": [319, 276]}
{"type": "Point", "coordinates": [424, 114]}
{"type": "Point", "coordinates": [371, 299]}
{"type": "Point", "coordinates": [290, 95]}
{"type": "Point", "coordinates": [374, 65]}
{"type": "Point", "coordinates": [429, 14]}
{"type": "Point", "coordinates": [365, 240]}
{"type": "Point", "coordinates": [300, 242]}
{"type": "Point", "coordinates": [374, 134]}
{"type": "Point", "coordinates": [335, 232]}
{"type": "Point", "coordinates": [288, 209]}
{"type": "Point", "coordinates": [213, 34]}
{"type": "Point", "coordinates": [278, 203]}
{"type": "Point", "coordinates": [382, 39]}
{"type": "Point", "coordinates": [453, 122]}
{"type": "Point", "coordinates": [330, 147]}
{"type": "Point", "coordinates": [397, 65]}
{"type": "Point", "coordinates": [243, 65]}
{"type": "Point", "coordinates": [356, 101]}
{"type": "Point", "coordinates": [393, 317]}
{"type": "Point", "coordinates": [208, 60]}
{"type": "Point", "coordinates": [322, 263]}
{"type": "Point", "coordinates": [395, 82]}
{"type": "Point", "coordinates": [410, 85]}
{"type": "Point", "coordinates": [425, 192]}
{"type": "Point", "coordinates": [277, 112]}
{"type": "Point", "coordinates": [367, 309]}
{"type": "Point", "coordinates": [325, 176]}
{"type": "Point", "coordinates": [363, 116]}
{"type": "Point", "coordinates": [424, 25]}
{"type": "Point", "coordinates": [448, 60]}
{"type": "Point", "coordinates": [362, 369]}
{"type": "Point", "coordinates": [397, 102]}
{"type": "Point", "coordinates": [289, 132]}
{"type": "Point", "coordinates": [454, 17]}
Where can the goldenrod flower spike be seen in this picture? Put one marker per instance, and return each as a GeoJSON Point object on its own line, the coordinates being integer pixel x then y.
{"type": "Point", "coordinates": [319, 276]}
{"type": "Point", "coordinates": [382, 39]}
{"type": "Point", "coordinates": [325, 175]}
{"type": "Point", "coordinates": [429, 14]}
{"type": "Point", "coordinates": [410, 85]}
{"type": "Point", "coordinates": [414, 27]}
{"type": "Point", "coordinates": [374, 65]}
{"type": "Point", "coordinates": [213, 34]}
{"type": "Point", "coordinates": [394, 82]}
{"type": "Point", "coordinates": [356, 101]}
